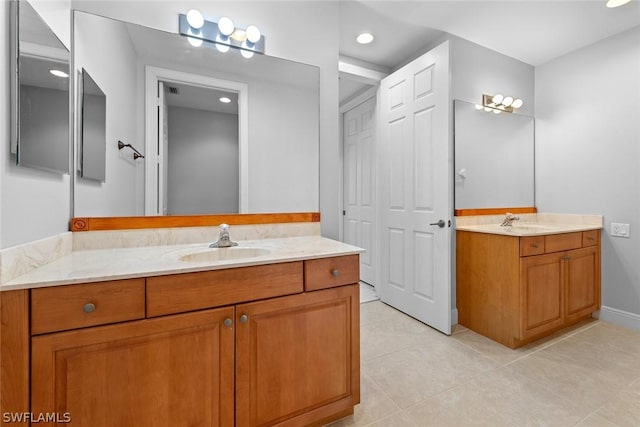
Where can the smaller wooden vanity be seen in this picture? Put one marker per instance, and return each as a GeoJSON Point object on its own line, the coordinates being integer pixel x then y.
{"type": "Point", "coordinates": [516, 289]}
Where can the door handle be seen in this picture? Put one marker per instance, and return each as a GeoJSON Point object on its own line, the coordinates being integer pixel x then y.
{"type": "Point", "coordinates": [440, 223]}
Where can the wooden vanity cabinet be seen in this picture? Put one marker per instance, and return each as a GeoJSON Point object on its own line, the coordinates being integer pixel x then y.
{"type": "Point", "coordinates": [518, 289]}
{"type": "Point", "coordinates": [227, 350]}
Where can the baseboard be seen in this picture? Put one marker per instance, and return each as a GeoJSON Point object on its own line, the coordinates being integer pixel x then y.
{"type": "Point", "coordinates": [454, 316]}
{"type": "Point", "coordinates": [619, 317]}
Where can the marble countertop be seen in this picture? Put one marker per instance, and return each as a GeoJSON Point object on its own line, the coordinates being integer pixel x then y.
{"type": "Point", "coordinates": [527, 229]}
{"type": "Point", "coordinates": [124, 263]}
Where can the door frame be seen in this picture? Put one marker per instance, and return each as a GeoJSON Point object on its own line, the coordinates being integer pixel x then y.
{"type": "Point", "coordinates": [155, 74]}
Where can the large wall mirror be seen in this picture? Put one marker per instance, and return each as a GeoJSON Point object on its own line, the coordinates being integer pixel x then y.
{"type": "Point", "coordinates": [39, 92]}
{"type": "Point", "coordinates": [494, 158]}
{"type": "Point", "coordinates": [219, 133]}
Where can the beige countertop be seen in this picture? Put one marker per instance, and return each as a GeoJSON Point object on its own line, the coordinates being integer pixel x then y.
{"type": "Point", "coordinates": [538, 224]}
{"type": "Point", "coordinates": [123, 263]}
{"type": "Point", "coordinates": [525, 229]}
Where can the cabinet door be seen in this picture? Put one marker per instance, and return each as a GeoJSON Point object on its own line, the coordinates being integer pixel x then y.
{"type": "Point", "coordinates": [298, 358]}
{"type": "Point", "coordinates": [582, 283]}
{"type": "Point", "coordinates": [541, 294]}
{"type": "Point", "coordinates": [171, 371]}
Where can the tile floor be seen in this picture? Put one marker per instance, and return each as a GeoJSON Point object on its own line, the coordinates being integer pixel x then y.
{"type": "Point", "coordinates": [412, 375]}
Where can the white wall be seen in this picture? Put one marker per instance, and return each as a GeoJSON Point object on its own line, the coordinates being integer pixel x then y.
{"type": "Point", "coordinates": [588, 152]}
{"type": "Point", "coordinates": [115, 72]}
{"type": "Point", "coordinates": [34, 204]}
{"type": "Point", "coordinates": [310, 36]}
{"type": "Point", "coordinates": [203, 167]}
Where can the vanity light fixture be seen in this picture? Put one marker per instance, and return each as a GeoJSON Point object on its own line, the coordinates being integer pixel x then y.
{"type": "Point", "coordinates": [59, 73]}
{"type": "Point", "coordinates": [224, 33]}
{"type": "Point", "coordinates": [499, 103]}
{"type": "Point", "coordinates": [616, 3]}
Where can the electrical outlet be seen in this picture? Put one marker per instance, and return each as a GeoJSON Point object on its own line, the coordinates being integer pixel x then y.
{"type": "Point", "coordinates": [619, 230]}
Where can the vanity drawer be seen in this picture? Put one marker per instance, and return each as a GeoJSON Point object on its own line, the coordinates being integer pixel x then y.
{"type": "Point", "coordinates": [78, 306]}
{"type": "Point", "coordinates": [179, 293]}
{"type": "Point", "coordinates": [331, 272]}
{"type": "Point", "coordinates": [532, 245]}
{"type": "Point", "coordinates": [590, 238]}
{"type": "Point", "coordinates": [562, 242]}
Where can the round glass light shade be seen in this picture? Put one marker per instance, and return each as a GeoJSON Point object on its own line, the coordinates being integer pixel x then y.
{"type": "Point", "coordinates": [194, 41]}
{"type": "Point", "coordinates": [487, 109]}
{"type": "Point", "coordinates": [220, 46]}
{"type": "Point", "coordinates": [616, 3]}
{"type": "Point", "coordinates": [248, 54]}
{"type": "Point", "coordinates": [497, 99]}
{"type": "Point", "coordinates": [253, 34]}
{"type": "Point", "coordinates": [497, 111]}
{"type": "Point", "coordinates": [195, 19]}
{"type": "Point", "coordinates": [59, 73]}
{"type": "Point", "coordinates": [507, 101]}
{"type": "Point", "coordinates": [226, 26]}
{"type": "Point", "coordinates": [478, 107]}
{"type": "Point", "coordinates": [364, 38]}
{"type": "Point", "coordinates": [517, 103]}
{"type": "Point", "coordinates": [224, 100]}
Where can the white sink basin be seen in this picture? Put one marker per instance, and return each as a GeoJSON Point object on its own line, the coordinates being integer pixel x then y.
{"type": "Point", "coordinates": [224, 254]}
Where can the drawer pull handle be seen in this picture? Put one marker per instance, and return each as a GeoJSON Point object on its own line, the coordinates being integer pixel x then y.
{"type": "Point", "coordinates": [534, 245]}
{"type": "Point", "coordinates": [89, 307]}
{"type": "Point", "coordinates": [244, 318]}
{"type": "Point", "coordinates": [590, 238]}
{"type": "Point", "coordinates": [566, 258]}
{"type": "Point", "coordinates": [228, 322]}
{"type": "Point", "coordinates": [335, 272]}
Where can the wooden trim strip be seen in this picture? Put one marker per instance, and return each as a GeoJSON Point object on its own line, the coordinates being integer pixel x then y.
{"type": "Point", "coordinates": [494, 211]}
{"type": "Point", "coordinates": [137, 222]}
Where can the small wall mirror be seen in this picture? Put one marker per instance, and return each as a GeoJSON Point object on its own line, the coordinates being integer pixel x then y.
{"type": "Point", "coordinates": [93, 137]}
{"type": "Point", "coordinates": [39, 92]}
{"type": "Point", "coordinates": [494, 158]}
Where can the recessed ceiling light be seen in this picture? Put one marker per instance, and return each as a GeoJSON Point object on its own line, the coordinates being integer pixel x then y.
{"type": "Point", "coordinates": [59, 73]}
{"type": "Point", "coordinates": [616, 3]}
{"type": "Point", "coordinates": [364, 38]}
{"type": "Point", "coordinates": [225, 100]}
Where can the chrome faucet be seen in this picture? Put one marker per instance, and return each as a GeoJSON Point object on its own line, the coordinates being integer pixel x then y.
{"type": "Point", "coordinates": [224, 241]}
{"type": "Point", "coordinates": [508, 220]}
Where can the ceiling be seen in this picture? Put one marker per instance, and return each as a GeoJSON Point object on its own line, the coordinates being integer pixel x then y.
{"type": "Point", "coordinates": [532, 31]}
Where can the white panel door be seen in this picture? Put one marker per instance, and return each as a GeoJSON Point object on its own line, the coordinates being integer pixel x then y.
{"type": "Point", "coordinates": [414, 153]}
{"type": "Point", "coordinates": [359, 189]}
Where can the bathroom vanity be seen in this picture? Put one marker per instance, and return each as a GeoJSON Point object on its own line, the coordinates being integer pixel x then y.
{"type": "Point", "coordinates": [166, 336]}
{"type": "Point", "coordinates": [519, 283]}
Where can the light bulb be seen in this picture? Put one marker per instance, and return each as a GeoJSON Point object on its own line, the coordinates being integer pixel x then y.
{"type": "Point", "coordinates": [253, 34]}
{"type": "Point", "coordinates": [220, 45]}
{"type": "Point", "coordinates": [517, 103]}
{"type": "Point", "coordinates": [226, 26]}
{"type": "Point", "coordinates": [487, 109]}
{"type": "Point", "coordinates": [225, 100]}
{"type": "Point", "coordinates": [616, 3]}
{"type": "Point", "coordinates": [364, 38]}
{"type": "Point", "coordinates": [59, 73]}
{"type": "Point", "coordinates": [497, 99]}
{"type": "Point", "coordinates": [194, 41]}
{"type": "Point", "coordinates": [195, 19]}
{"type": "Point", "coordinates": [507, 101]}
{"type": "Point", "coordinates": [497, 111]}
{"type": "Point", "coordinates": [248, 54]}
{"type": "Point", "coordinates": [478, 107]}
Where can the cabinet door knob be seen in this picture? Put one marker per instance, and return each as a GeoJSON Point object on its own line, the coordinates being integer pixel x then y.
{"type": "Point", "coordinates": [566, 258]}
{"type": "Point", "coordinates": [244, 318]}
{"type": "Point", "coordinates": [534, 245]}
{"type": "Point", "coordinates": [335, 272]}
{"type": "Point", "coordinates": [228, 322]}
{"type": "Point", "coordinates": [89, 307]}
